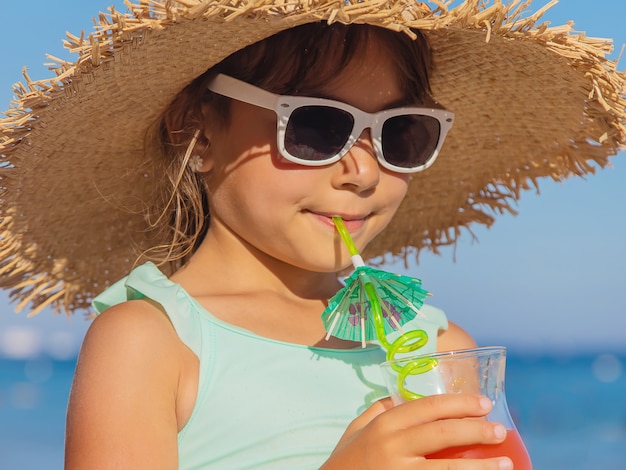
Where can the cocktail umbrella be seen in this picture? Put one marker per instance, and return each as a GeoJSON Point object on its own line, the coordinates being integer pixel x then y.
{"type": "Point", "coordinates": [374, 303]}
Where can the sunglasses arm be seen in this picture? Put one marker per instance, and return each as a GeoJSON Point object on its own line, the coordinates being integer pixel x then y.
{"type": "Point", "coordinates": [242, 91]}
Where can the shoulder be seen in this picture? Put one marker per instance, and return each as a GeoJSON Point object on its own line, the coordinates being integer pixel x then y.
{"type": "Point", "coordinates": [135, 330]}
{"type": "Point", "coordinates": [125, 386]}
{"type": "Point", "coordinates": [455, 337]}
{"type": "Point", "coordinates": [133, 341]}
{"type": "Point", "coordinates": [136, 321]}
{"type": "Point", "coordinates": [129, 342]}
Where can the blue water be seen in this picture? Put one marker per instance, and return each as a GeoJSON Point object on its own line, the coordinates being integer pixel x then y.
{"type": "Point", "coordinates": [571, 412]}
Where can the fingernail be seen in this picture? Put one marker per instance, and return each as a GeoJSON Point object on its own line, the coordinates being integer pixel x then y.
{"type": "Point", "coordinates": [505, 464]}
{"type": "Point", "coordinates": [485, 403]}
{"type": "Point", "coordinates": [499, 431]}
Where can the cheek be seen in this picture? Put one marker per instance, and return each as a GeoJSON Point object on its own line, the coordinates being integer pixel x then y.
{"type": "Point", "coordinates": [397, 187]}
{"type": "Point", "coordinates": [254, 187]}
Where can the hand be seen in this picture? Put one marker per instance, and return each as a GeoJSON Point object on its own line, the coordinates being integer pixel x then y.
{"type": "Point", "coordinates": [398, 437]}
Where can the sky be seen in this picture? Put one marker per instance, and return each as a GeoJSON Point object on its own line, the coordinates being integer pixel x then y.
{"type": "Point", "coordinates": [551, 280]}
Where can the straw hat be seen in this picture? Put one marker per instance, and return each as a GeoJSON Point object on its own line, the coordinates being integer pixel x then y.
{"type": "Point", "coordinates": [531, 101]}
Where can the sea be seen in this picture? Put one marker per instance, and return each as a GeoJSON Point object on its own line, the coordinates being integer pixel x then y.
{"type": "Point", "coordinates": [570, 410]}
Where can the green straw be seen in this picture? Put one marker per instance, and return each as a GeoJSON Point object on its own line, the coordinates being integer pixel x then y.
{"type": "Point", "coordinates": [368, 285]}
{"type": "Point", "coordinates": [345, 236]}
{"type": "Point", "coordinates": [405, 343]}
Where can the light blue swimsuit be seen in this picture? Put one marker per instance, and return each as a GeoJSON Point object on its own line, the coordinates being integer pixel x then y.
{"type": "Point", "coordinates": [261, 403]}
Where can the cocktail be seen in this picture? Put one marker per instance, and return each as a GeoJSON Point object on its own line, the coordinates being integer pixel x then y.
{"type": "Point", "coordinates": [477, 371]}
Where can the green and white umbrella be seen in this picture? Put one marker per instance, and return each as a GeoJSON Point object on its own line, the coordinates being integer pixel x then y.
{"type": "Point", "coordinates": [373, 302]}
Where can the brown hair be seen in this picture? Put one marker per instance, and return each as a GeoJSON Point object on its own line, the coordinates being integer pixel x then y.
{"type": "Point", "coordinates": [294, 61]}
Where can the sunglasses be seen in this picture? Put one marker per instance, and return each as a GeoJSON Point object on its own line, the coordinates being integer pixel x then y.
{"type": "Point", "coordinates": [318, 131]}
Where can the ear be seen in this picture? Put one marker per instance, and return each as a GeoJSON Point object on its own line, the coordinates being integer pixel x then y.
{"type": "Point", "coordinates": [200, 158]}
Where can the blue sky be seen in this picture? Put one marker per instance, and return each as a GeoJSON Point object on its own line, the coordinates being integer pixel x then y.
{"type": "Point", "coordinates": [552, 279]}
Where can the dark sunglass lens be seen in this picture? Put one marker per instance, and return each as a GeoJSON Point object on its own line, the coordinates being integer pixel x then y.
{"type": "Point", "coordinates": [409, 141]}
{"type": "Point", "coordinates": [317, 133]}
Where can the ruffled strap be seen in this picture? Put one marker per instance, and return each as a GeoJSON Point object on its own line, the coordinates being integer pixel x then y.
{"type": "Point", "coordinates": [147, 281]}
{"type": "Point", "coordinates": [435, 316]}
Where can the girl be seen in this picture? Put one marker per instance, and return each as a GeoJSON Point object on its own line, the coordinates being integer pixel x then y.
{"type": "Point", "coordinates": [217, 358]}
{"type": "Point", "coordinates": [264, 268]}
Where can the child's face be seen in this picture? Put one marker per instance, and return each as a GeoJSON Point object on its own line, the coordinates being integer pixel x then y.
{"type": "Point", "coordinates": [284, 209]}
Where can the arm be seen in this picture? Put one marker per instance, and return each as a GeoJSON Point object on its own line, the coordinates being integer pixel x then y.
{"type": "Point", "coordinates": [122, 407]}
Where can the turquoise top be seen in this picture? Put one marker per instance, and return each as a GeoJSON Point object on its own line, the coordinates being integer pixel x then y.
{"type": "Point", "coordinates": [261, 403]}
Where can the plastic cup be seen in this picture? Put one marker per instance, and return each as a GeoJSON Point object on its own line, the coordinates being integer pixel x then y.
{"type": "Point", "coordinates": [477, 371]}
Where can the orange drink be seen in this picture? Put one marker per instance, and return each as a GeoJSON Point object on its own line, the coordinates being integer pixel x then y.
{"type": "Point", "coordinates": [476, 371]}
{"type": "Point", "coordinates": [512, 447]}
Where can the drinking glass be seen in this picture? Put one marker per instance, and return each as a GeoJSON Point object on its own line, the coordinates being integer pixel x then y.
{"type": "Point", "coordinates": [477, 371]}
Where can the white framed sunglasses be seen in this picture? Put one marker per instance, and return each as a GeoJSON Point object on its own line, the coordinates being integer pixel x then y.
{"type": "Point", "coordinates": [318, 131]}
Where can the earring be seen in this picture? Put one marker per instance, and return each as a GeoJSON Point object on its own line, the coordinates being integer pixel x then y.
{"type": "Point", "coordinates": [195, 163]}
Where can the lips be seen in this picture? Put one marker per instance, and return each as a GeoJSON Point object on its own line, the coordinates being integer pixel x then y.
{"type": "Point", "coordinates": [352, 222]}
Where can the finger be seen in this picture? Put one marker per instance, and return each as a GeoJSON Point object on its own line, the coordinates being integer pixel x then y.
{"type": "Point", "coordinates": [436, 436]}
{"type": "Point", "coordinates": [369, 414]}
{"type": "Point", "coordinates": [378, 407]}
{"type": "Point", "coordinates": [499, 463]}
{"type": "Point", "coordinates": [438, 407]}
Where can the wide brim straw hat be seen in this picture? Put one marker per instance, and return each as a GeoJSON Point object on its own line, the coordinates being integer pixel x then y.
{"type": "Point", "coordinates": [531, 101]}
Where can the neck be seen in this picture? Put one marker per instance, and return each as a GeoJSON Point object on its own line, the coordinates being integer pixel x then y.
{"type": "Point", "coordinates": [222, 267]}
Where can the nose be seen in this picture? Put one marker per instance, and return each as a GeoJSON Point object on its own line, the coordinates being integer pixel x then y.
{"type": "Point", "coordinates": [359, 169]}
